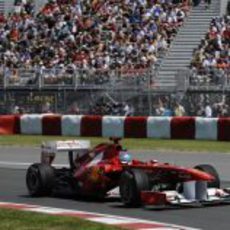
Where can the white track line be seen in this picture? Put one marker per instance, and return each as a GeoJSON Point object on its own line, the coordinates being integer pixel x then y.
{"type": "Point", "coordinates": [26, 164]}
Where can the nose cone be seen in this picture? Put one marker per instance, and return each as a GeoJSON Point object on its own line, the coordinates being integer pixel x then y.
{"type": "Point", "coordinates": [200, 175]}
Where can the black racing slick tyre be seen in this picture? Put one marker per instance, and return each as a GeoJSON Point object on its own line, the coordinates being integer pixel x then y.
{"type": "Point", "coordinates": [212, 171]}
{"type": "Point", "coordinates": [132, 182]}
{"type": "Point", "coordinates": [40, 179]}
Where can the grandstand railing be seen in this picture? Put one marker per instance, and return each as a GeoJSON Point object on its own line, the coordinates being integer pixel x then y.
{"type": "Point", "coordinates": [129, 78]}
{"type": "Point", "coordinates": [43, 78]}
{"type": "Point", "coordinates": [20, 78]}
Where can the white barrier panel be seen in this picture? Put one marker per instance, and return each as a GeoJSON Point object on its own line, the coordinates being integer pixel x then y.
{"type": "Point", "coordinates": [113, 126]}
{"type": "Point", "coordinates": [71, 125]}
{"type": "Point", "coordinates": [206, 128]}
{"type": "Point", "coordinates": [31, 124]}
{"type": "Point", "coordinates": [159, 127]}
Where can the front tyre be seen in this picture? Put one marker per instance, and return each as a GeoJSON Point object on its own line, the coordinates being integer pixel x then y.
{"type": "Point", "coordinates": [40, 179]}
{"type": "Point", "coordinates": [212, 171]}
{"type": "Point", "coordinates": [132, 182]}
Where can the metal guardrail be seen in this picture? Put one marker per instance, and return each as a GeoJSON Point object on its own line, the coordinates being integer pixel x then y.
{"type": "Point", "coordinates": [79, 78]}
{"type": "Point", "coordinates": [20, 78]}
{"type": "Point", "coordinates": [132, 78]}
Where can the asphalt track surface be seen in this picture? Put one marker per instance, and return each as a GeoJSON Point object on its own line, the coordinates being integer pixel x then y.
{"type": "Point", "coordinates": [14, 161]}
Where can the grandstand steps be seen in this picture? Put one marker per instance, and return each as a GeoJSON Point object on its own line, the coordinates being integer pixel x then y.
{"type": "Point", "coordinates": [191, 35]}
{"type": "Point", "coordinates": [7, 6]}
{"type": "Point", "coordinates": [170, 77]}
{"type": "Point", "coordinates": [177, 47]}
{"type": "Point", "coordinates": [174, 69]}
{"type": "Point", "coordinates": [188, 38]}
{"type": "Point", "coordinates": [172, 60]}
{"type": "Point", "coordinates": [191, 32]}
{"type": "Point", "coordinates": [180, 57]}
{"type": "Point", "coordinates": [192, 41]}
{"type": "Point", "coordinates": [197, 13]}
{"type": "Point", "coordinates": [2, 6]}
{"type": "Point", "coordinates": [192, 21]}
{"type": "Point", "coordinates": [172, 66]}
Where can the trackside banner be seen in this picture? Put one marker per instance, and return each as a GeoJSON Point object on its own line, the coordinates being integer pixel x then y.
{"type": "Point", "coordinates": [113, 126]}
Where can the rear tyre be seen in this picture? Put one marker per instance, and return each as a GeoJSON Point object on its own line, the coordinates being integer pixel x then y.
{"type": "Point", "coordinates": [40, 179]}
{"type": "Point", "coordinates": [212, 171]}
{"type": "Point", "coordinates": [132, 182]}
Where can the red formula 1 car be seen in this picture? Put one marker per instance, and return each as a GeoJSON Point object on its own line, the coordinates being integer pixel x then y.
{"type": "Point", "coordinates": [96, 171]}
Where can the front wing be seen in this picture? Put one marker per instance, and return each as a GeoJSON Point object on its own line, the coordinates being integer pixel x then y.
{"type": "Point", "coordinates": [193, 194]}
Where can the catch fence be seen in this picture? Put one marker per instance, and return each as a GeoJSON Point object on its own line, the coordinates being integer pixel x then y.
{"type": "Point", "coordinates": [68, 90]}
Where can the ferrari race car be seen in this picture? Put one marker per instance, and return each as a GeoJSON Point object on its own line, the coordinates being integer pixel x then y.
{"type": "Point", "coordinates": [95, 172]}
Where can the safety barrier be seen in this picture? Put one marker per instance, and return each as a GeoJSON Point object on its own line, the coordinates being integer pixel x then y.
{"type": "Point", "coordinates": [9, 125]}
{"type": "Point", "coordinates": [107, 126]}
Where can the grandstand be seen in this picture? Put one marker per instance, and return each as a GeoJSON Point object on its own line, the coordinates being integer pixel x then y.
{"type": "Point", "coordinates": [8, 6]}
{"type": "Point", "coordinates": [2, 7]}
{"type": "Point", "coordinates": [187, 40]}
{"type": "Point", "coordinates": [59, 54]}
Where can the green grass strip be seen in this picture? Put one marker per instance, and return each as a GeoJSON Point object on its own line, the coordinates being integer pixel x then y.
{"type": "Point", "coordinates": [129, 143]}
{"type": "Point", "coordinates": [21, 220]}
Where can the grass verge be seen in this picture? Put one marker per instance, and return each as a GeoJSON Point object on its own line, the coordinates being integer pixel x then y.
{"type": "Point", "coordinates": [21, 220]}
{"type": "Point", "coordinates": [130, 143]}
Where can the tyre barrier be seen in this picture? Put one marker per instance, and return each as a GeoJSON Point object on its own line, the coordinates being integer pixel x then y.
{"type": "Point", "coordinates": [113, 126]}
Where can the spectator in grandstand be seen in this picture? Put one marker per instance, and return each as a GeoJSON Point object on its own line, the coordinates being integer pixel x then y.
{"type": "Point", "coordinates": [160, 108]}
{"type": "Point", "coordinates": [208, 110]}
{"type": "Point", "coordinates": [16, 109]}
{"type": "Point", "coordinates": [211, 63]}
{"type": "Point", "coordinates": [128, 110]}
{"type": "Point", "coordinates": [22, 6]}
{"type": "Point", "coordinates": [179, 110]}
{"type": "Point", "coordinates": [207, 3]}
{"type": "Point", "coordinates": [221, 109]}
{"type": "Point", "coordinates": [168, 112]}
{"type": "Point", "coordinates": [46, 108]}
{"type": "Point", "coordinates": [196, 2]}
{"type": "Point", "coordinates": [74, 109]}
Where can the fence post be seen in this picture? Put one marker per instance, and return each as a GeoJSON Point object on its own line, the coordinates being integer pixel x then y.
{"type": "Point", "coordinates": [149, 93]}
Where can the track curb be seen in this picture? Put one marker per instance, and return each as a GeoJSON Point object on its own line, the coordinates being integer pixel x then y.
{"type": "Point", "coordinates": [119, 221]}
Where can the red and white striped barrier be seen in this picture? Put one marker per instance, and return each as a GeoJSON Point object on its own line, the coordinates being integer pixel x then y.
{"type": "Point", "coordinates": [113, 126]}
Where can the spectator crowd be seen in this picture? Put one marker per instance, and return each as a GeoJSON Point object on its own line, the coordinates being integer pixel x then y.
{"type": "Point", "coordinates": [211, 60]}
{"type": "Point", "coordinates": [197, 104]}
{"type": "Point", "coordinates": [89, 34]}
{"type": "Point", "coordinates": [209, 105]}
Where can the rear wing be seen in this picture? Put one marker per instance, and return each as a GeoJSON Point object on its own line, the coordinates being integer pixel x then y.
{"type": "Point", "coordinates": [50, 148]}
{"type": "Point", "coordinates": [65, 146]}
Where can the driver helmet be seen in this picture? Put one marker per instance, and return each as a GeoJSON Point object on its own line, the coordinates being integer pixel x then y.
{"type": "Point", "coordinates": [125, 157]}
